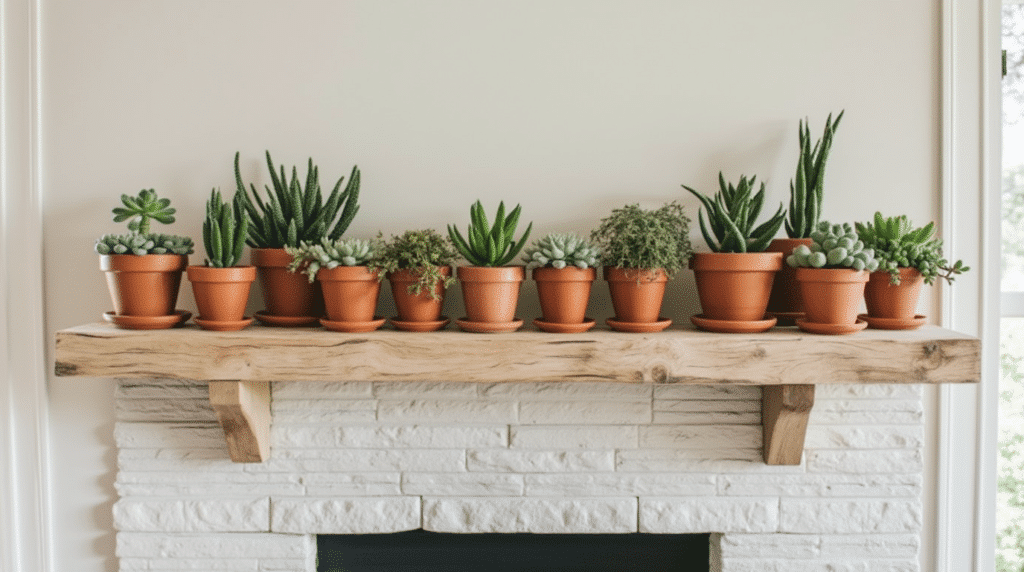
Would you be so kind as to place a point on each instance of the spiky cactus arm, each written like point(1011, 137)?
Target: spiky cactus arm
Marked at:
point(807, 189)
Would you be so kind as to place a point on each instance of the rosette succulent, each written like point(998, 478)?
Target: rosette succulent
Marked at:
point(560, 251)
point(138, 211)
point(834, 246)
point(898, 244)
point(311, 257)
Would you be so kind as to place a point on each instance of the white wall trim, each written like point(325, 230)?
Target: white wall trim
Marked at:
point(25, 544)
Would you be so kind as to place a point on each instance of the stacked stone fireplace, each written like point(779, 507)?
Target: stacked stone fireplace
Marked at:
point(574, 457)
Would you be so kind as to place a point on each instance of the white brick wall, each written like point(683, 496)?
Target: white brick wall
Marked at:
point(361, 457)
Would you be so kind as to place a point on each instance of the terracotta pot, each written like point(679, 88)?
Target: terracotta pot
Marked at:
point(350, 293)
point(491, 294)
point(735, 286)
point(285, 293)
point(564, 293)
point(832, 296)
point(636, 294)
point(786, 298)
point(417, 307)
point(145, 285)
point(221, 293)
point(893, 302)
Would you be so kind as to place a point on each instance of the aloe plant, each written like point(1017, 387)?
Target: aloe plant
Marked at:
point(898, 244)
point(806, 191)
point(224, 230)
point(490, 245)
point(731, 216)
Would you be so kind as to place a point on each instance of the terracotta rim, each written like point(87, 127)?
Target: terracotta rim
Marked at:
point(491, 274)
point(346, 274)
point(413, 274)
point(143, 263)
point(616, 274)
point(211, 274)
point(831, 275)
point(567, 274)
point(270, 257)
point(736, 261)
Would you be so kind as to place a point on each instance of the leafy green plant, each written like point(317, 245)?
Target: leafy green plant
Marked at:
point(731, 215)
point(224, 230)
point(490, 245)
point(898, 244)
point(807, 190)
point(560, 251)
point(834, 246)
point(646, 240)
point(309, 258)
point(423, 251)
point(295, 212)
point(138, 211)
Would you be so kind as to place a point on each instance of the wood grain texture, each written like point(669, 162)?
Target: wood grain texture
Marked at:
point(243, 410)
point(784, 413)
point(680, 355)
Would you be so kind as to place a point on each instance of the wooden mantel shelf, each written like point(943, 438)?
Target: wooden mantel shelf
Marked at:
point(787, 362)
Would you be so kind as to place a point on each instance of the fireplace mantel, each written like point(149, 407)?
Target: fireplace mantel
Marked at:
point(239, 366)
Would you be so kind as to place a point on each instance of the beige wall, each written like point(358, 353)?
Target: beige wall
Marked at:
point(569, 107)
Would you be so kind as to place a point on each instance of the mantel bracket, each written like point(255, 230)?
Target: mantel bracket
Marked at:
point(243, 410)
point(784, 413)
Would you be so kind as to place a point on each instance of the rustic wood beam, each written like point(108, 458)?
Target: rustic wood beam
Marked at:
point(243, 410)
point(784, 413)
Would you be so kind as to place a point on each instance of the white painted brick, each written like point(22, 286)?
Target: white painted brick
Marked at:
point(864, 461)
point(165, 410)
point(422, 436)
point(868, 391)
point(865, 437)
point(619, 484)
point(802, 546)
point(708, 405)
point(154, 484)
point(185, 460)
point(193, 515)
point(821, 485)
point(286, 565)
point(562, 391)
point(708, 514)
point(765, 565)
point(425, 390)
point(584, 412)
point(371, 515)
point(702, 392)
point(853, 516)
point(713, 461)
point(438, 411)
point(474, 515)
point(160, 389)
point(195, 564)
point(866, 411)
point(705, 418)
point(358, 460)
point(562, 437)
point(352, 484)
point(462, 484)
point(327, 412)
point(701, 437)
point(304, 436)
point(321, 390)
point(876, 545)
point(526, 461)
point(129, 435)
point(242, 545)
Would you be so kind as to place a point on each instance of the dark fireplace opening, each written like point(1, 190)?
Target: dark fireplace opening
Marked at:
point(422, 551)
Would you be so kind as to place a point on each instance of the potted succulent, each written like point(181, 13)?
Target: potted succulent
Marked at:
point(735, 279)
point(221, 287)
point(418, 265)
point(640, 250)
point(143, 269)
point(490, 288)
point(806, 192)
point(350, 287)
point(832, 273)
point(908, 257)
point(293, 213)
point(563, 267)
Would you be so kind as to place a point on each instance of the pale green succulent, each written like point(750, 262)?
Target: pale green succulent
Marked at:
point(140, 244)
point(834, 246)
point(561, 250)
point(311, 257)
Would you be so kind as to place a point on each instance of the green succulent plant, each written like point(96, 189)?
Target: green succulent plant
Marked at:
point(309, 258)
point(295, 212)
point(138, 211)
point(224, 230)
point(898, 244)
point(560, 251)
point(424, 251)
point(731, 216)
point(490, 245)
point(807, 190)
point(834, 246)
point(633, 238)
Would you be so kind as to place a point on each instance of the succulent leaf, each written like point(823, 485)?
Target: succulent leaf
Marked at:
point(732, 213)
point(560, 251)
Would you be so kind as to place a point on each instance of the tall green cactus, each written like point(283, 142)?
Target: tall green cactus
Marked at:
point(224, 230)
point(732, 214)
point(807, 190)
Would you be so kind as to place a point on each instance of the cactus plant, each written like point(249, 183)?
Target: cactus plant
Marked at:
point(487, 245)
point(834, 246)
point(560, 251)
point(224, 230)
point(311, 257)
point(294, 212)
point(139, 240)
point(807, 189)
point(731, 214)
point(898, 244)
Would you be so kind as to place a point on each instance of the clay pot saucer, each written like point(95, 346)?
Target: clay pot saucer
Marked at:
point(733, 326)
point(428, 326)
point(489, 327)
point(178, 318)
point(558, 328)
point(353, 327)
point(786, 318)
point(893, 323)
point(638, 327)
point(223, 325)
point(285, 321)
point(831, 329)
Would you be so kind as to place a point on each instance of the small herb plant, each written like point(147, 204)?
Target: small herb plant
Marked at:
point(423, 251)
point(295, 212)
point(138, 211)
point(646, 240)
point(834, 246)
point(490, 245)
point(224, 230)
point(898, 244)
point(731, 216)
point(309, 258)
point(807, 190)
point(560, 251)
